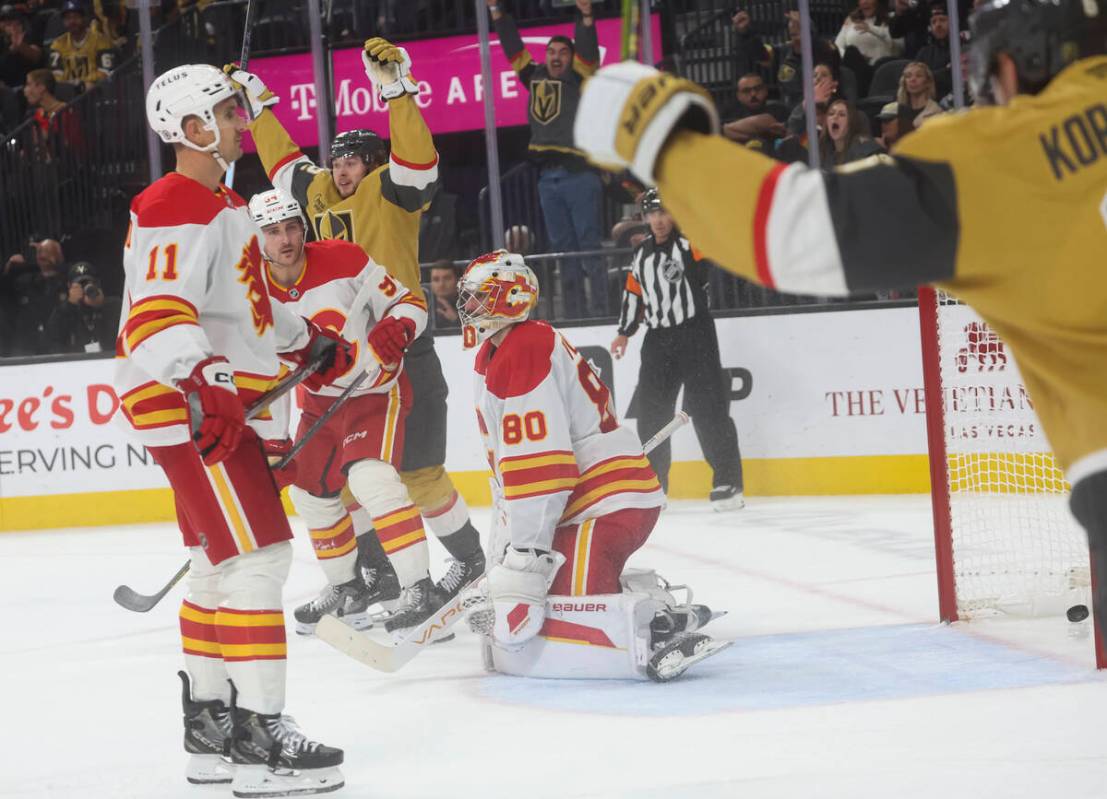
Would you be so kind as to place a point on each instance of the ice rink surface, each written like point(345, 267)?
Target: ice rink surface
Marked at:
point(840, 683)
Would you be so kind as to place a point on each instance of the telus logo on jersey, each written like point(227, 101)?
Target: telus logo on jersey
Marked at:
point(249, 269)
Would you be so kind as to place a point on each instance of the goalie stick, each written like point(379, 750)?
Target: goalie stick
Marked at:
point(127, 597)
point(392, 657)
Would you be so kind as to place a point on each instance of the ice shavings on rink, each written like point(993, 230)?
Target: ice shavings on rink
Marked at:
point(794, 670)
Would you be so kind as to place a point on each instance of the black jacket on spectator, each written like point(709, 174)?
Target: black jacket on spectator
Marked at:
point(788, 68)
point(750, 54)
point(913, 26)
point(736, 110)
point(82, 328)
point(31, 298)
point(936, 55)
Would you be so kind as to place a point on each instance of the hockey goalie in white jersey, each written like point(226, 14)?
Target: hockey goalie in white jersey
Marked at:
point(575, 497)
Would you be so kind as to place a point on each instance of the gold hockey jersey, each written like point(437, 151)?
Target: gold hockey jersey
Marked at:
point(382, 215)
point(89, 60)
point(1004, 207)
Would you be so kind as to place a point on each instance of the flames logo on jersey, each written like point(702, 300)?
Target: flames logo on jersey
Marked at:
point(249, 274)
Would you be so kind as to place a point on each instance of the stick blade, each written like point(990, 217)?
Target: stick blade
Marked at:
point(130, 599)
point(357, 645)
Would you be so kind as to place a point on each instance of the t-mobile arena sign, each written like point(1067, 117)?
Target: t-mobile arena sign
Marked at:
point(448, 72)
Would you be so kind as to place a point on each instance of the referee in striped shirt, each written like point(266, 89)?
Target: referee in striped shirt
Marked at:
point(667, 290)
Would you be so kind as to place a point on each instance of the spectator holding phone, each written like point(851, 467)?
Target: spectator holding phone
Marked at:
point(87, 320)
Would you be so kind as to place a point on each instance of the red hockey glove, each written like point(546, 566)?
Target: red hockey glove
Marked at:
point(335, 350)
point(275, 450)
point(215, 411)
point(390, 337)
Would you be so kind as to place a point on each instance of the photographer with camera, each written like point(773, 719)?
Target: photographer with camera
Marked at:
point(87, 320)
point(31, 284)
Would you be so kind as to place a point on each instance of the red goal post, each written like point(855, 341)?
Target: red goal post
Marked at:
point(1005, 541)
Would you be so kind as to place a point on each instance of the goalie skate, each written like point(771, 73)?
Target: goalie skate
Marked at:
point(679, 654)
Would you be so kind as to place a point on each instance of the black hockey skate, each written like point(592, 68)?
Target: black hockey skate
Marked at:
point(678, 619)
point(349, 601)
point(273, 757)
point(674, 657)
point(416, 606)
point(462, 572)
point(207, 738)
point(726, 497)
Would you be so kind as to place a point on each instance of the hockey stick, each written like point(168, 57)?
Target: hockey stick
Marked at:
point(392, 657)
point(130, 599)
point(317, 425)
point(244, 61)
point(678, 421)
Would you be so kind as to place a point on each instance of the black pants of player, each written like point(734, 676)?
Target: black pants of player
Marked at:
point(688, 356)
point(1089, 506)
point(425, 434)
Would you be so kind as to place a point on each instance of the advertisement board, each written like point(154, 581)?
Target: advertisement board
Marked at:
point(449, 76)
point(824, 402)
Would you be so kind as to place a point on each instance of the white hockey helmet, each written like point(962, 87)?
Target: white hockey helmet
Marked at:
point(269, 207)
point(189, 90)
point(496, 290)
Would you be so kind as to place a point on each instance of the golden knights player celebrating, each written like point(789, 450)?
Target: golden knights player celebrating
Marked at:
point(375, 199)
point(1003, 206)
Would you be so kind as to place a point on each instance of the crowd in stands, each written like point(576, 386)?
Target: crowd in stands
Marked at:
point(884, 73)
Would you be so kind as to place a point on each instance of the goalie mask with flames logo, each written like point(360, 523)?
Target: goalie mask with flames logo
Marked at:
point(496, 290)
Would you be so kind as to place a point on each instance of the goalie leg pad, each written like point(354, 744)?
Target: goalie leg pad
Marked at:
point(377, 486)
point(518, 587)
point(600, 637)
point(332, 533)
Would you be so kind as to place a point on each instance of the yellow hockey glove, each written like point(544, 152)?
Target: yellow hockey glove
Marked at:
point(628, 111)
point(253, 88)
point(388, 68)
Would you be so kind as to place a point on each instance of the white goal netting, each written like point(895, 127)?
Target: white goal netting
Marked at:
point(1016, 547)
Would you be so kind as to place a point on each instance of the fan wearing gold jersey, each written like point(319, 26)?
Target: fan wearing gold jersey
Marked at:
point(84, 54)
point(1003, 206)
point(375, 199)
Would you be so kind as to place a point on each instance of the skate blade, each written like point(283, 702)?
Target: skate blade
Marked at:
point(724, 505)
point(209, 770)
point(261, 781)
point(676, 663)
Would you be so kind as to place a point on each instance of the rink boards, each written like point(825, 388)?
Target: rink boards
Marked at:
point(825, 403)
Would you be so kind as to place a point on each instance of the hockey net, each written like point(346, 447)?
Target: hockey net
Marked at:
point(1005, 539)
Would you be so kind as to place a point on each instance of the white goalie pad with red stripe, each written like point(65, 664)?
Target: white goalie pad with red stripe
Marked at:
point(598, 637)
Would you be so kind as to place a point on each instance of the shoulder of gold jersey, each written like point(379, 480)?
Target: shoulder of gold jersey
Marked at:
point(175, 200)
point(330, 259)
point(522, 361)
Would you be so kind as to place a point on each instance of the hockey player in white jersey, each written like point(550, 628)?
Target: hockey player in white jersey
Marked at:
point(198, 341)
point(575, 498)
point(337, 286)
